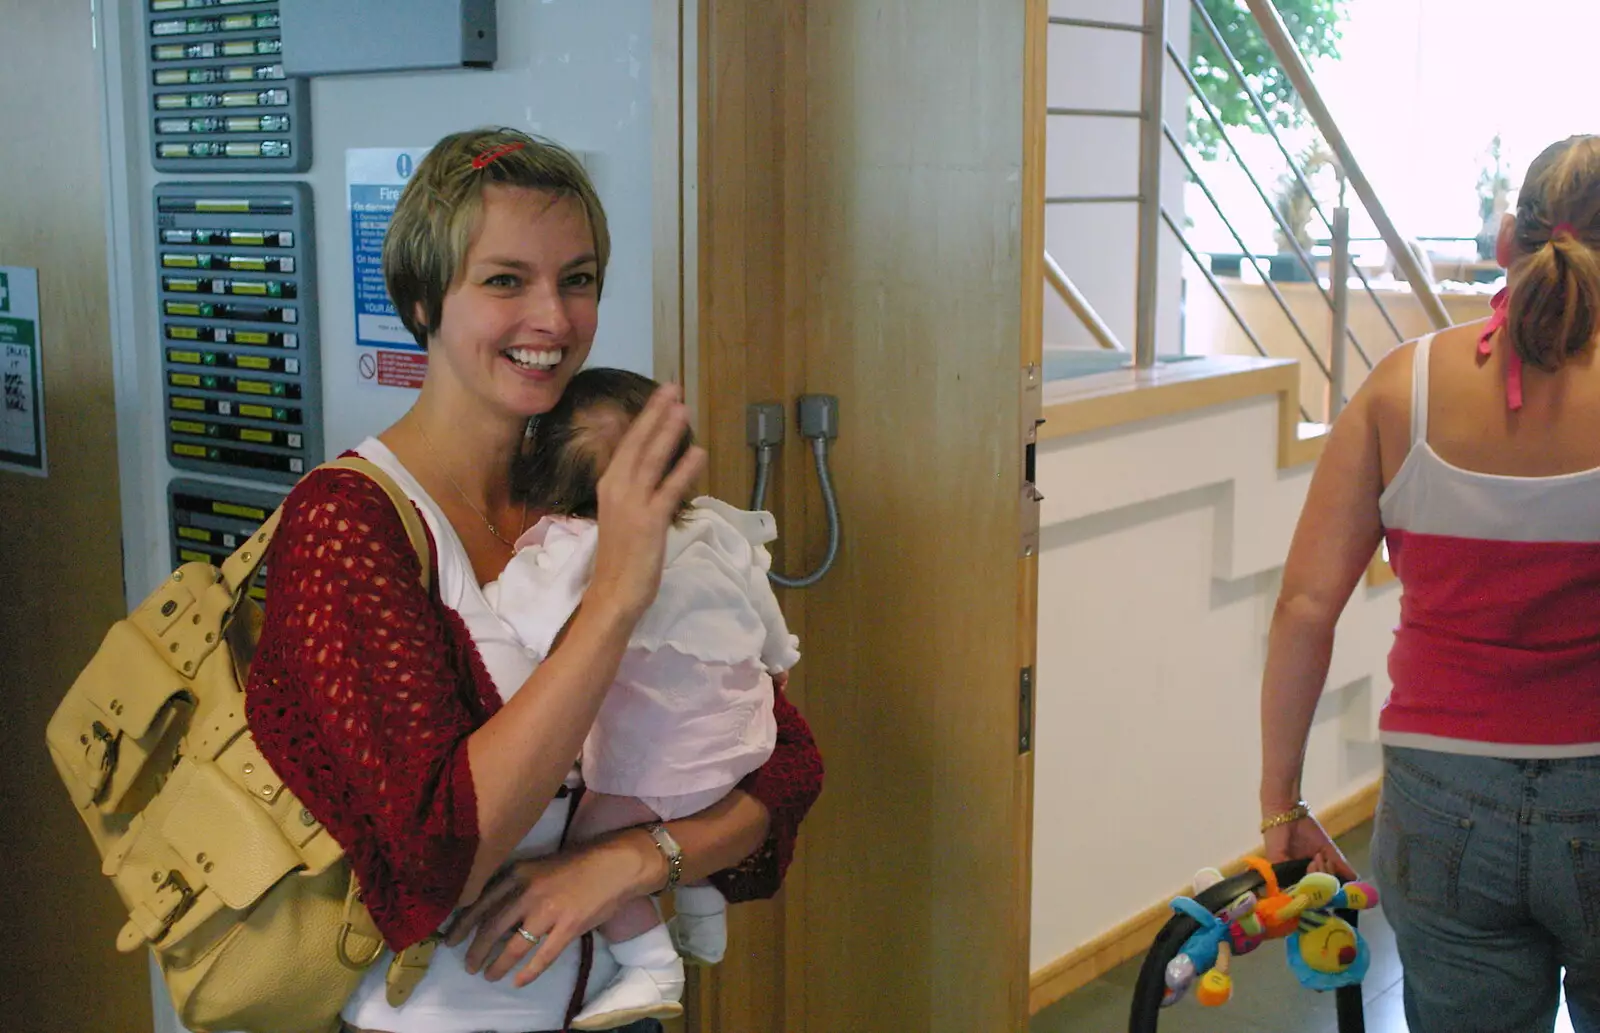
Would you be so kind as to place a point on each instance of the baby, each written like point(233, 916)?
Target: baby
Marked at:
point(690, 713)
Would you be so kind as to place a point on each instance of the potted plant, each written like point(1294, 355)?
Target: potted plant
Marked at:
point(1494, 197)
point(1295, 206)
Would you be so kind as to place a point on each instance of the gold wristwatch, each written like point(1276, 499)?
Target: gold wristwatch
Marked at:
point(670, 850)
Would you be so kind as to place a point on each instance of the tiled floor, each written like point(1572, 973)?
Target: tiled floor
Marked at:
point(1266, 998)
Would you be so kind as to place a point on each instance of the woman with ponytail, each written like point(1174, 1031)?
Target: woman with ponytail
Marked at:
point(1475, 454)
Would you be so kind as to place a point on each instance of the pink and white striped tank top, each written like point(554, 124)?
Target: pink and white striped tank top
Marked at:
point(1498, 648)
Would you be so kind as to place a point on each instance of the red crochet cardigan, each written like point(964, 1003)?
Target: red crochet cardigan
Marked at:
point(365, 687)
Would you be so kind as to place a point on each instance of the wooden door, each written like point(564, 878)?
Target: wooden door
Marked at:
point(60, 537)
point(862, 217)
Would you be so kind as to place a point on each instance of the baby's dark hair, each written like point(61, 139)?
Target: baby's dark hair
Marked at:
point(560, 472)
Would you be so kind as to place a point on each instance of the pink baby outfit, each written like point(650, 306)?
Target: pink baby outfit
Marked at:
point(690, 713)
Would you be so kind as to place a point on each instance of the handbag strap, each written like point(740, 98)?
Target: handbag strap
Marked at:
point(241, 567)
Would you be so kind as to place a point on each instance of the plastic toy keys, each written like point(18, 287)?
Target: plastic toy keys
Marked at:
point(1245, 932)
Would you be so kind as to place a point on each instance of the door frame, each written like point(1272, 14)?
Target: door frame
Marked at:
point(702, 83)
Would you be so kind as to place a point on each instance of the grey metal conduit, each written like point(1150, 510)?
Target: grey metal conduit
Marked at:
point(1152, 100)
point(819, 423)
point(1294, 165)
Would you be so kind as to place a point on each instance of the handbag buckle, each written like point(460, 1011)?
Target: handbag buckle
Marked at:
point(172, 898)
point(101, 752)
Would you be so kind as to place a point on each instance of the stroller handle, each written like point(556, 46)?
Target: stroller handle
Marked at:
point(1151, 985)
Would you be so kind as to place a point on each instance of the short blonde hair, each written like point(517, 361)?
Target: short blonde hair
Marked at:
point(438, 213)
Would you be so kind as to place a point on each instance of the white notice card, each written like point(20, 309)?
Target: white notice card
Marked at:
point(21, 373)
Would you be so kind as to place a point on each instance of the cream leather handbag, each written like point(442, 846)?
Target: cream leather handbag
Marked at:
point(244, 897)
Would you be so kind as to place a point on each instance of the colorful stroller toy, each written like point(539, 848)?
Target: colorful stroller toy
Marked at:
point(1315, 916)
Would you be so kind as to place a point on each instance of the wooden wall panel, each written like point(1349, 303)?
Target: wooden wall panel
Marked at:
point(741, 346)
point(60, 538)
point(860, 220)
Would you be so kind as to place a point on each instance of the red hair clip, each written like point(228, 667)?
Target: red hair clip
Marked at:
point(483, 160)
point(1563, 228)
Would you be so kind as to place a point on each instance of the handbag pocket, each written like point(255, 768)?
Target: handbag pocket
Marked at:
point(201, 847)
point(115, 733)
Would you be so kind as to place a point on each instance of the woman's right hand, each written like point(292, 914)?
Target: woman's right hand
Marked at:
point(1307, 838)
point(638, 499)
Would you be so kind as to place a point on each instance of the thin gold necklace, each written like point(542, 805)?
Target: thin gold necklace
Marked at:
point(439, 465)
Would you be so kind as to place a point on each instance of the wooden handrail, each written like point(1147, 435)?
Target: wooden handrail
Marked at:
point(1080, 306)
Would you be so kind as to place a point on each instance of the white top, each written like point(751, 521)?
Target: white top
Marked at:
point(1485, 659)
point(449, 1000)
point(1431, 496)
point(690, 711)
point(714, 604)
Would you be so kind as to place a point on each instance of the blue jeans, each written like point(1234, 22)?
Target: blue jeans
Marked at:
point(1489, 872)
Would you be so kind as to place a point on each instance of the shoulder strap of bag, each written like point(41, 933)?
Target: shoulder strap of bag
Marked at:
point(241, 567)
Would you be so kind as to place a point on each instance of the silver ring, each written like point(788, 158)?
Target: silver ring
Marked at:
point(532, 938)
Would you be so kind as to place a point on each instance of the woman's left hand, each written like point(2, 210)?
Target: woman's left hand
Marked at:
point(556, 898)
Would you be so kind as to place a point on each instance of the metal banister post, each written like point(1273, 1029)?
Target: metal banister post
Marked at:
point(1277, 37)
point(1152, 102)
point(1339, 280)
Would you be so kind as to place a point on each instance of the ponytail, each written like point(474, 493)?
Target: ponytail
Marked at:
point(1554, 309)
point(1553, 312)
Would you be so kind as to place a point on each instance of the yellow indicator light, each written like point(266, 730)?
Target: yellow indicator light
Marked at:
point(221, 204)
point(231, 509)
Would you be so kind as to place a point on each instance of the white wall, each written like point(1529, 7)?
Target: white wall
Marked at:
point(1097, 245)
point(574, 70)
point(1161, 554)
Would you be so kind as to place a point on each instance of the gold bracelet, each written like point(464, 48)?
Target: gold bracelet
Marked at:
point(1296, 813)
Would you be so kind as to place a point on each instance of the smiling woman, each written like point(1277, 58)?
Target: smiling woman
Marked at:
point(437, 748)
